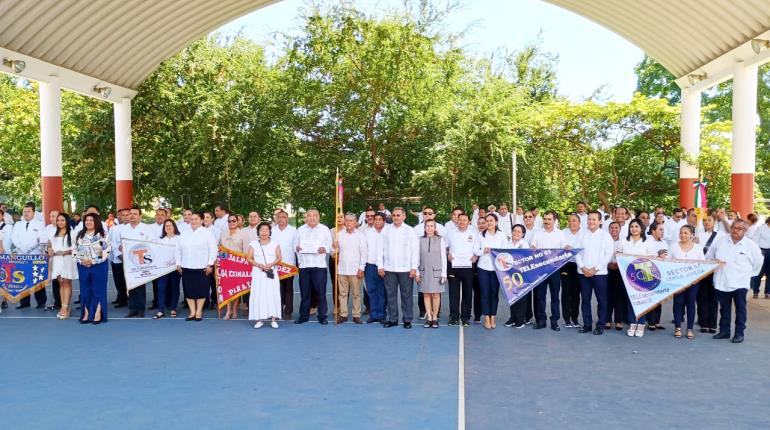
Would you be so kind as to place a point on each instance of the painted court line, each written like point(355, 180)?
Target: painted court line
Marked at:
point(461, 383)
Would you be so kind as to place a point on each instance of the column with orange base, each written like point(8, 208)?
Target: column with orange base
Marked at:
point(690, 140)
point(744, 138)
point(124, 184)
point(50, 146)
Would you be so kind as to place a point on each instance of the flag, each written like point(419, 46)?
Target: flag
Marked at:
point(340, 193)
point(701, 188)
point(144, 261)
point(521, 270)
point(22, 275)
point(233, 275)
point(650, 281)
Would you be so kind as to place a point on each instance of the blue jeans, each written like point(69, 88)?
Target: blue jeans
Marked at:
point(597, 285)
point(312, 279)
point(685, 299)
point(375, 286)
point(552, 283)
point(489, 286)
point(726, 300)
point(93, 289)
point(169, 283)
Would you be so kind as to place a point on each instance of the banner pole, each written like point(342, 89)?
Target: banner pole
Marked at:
point(337, 208)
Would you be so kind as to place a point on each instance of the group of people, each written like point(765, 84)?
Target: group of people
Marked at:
point(375, 260)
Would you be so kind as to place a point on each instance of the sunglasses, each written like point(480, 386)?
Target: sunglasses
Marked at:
point(427, 213)
point(528, 216)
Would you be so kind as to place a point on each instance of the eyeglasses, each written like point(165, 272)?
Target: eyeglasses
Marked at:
point(232, 220)
point(427, 213)
point(528, 216)
point(369, 216)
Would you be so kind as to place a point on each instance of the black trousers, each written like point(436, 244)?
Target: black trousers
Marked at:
point(476, 294)
point(460, 293)
point(120, 283)
point(552, 284)
point(155, 294)
point(287, 297)
point(528, 312)
point(617, 298)
point(726, 300)
point(570, 293)
point(40, 298)
point(519, 310)
point(56, 289)
point(707, 303)
point(653, 317)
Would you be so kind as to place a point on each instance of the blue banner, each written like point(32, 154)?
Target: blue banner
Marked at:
point(521, 270)
point(22, 275)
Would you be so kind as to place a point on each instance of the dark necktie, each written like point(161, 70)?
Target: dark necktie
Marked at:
point(26, 227)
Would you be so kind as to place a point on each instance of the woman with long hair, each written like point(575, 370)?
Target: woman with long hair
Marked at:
point(485, 241)
point(686, 249)
point(168, 284)
point(61, 249)
point(93, 249)
point(635, 243)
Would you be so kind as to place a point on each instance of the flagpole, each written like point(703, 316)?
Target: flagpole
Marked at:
point(337, 209)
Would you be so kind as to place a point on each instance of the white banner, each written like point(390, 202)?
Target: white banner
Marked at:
point(650, 281)
point(145, 261)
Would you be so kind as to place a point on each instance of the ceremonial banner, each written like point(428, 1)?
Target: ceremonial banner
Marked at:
point(144, 261)
point(521, 270)
point(22, 275)
point(650, 281)
point(233, 274)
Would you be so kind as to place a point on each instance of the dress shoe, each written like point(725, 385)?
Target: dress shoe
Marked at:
point(584, 329)
point(555, 326)
point(722, 335)
point(115, 302)
point(366, 311)
point(323, 322)
point(452, 321)
point(509, 323)
point(407, 324)
point(120, 305)
point(77, 302)
point(389, 324)
point(372, 321)
point(737, 339)
point(356, 320)
point(599, 331)
point(539, 326)
point(4, 305)
point(341, 320)
point(40, 306)
point(22, 306)
point(132, 314)
point(300, 321)
point(466, 323)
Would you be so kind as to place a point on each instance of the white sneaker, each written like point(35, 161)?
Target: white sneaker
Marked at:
point(632, 329)
point(640, 330)
point(259, 324)
point(274, 324)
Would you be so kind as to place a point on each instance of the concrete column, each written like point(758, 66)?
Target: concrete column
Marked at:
point(50, 146)
point(124, 184)
point(690, 140)
point(744, 138)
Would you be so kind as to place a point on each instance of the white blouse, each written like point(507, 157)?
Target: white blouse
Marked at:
point(497, 240)
point(196, 249)
point(677, 253)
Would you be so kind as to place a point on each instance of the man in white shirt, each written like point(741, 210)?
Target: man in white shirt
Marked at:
point(221, 214)
point(397, 262)
point(672, 226)
point(313, 243)
point(50, 232)
point(381, 208)
point(570, 281)
point(116, 259)
point(428, 213)
point(28, 237)
point(452, 223)
point(285, 235)
point(135, 229)
point(350, 273)
point(762, 239)
point(548, 237)
point(582, 213)
point(362, 217)
point(598, 249)
point(7, 217)
point(184, 224)
point(461, 258)
point(538, 219)
point(156, 230)
point(505, 220)
point(742, 258)
point(374, 282)
point(5, 233)
point(368, 223)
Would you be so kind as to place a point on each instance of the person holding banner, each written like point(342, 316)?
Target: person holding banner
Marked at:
point(518, 310)
point(61, 248)
point(235, 239)
point(742, 258)
point(548, 237)
point(485, 241)
point(635, 243)
point(658, 246)
point(28, 237)
point(686, 249)
point(195, 257)
point(592, 267)
point(92, 253)
point(570, 282)
point(706, 302)
point(168, 284)
point(135, 229)
point(265, 297)
point(432, 271)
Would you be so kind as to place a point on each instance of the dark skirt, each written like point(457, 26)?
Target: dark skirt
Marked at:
point(195, 283)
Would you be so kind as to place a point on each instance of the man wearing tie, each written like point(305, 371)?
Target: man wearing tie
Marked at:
point(29, 237)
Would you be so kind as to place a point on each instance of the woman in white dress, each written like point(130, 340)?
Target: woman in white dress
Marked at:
point(265, 297)
point(60, 249)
